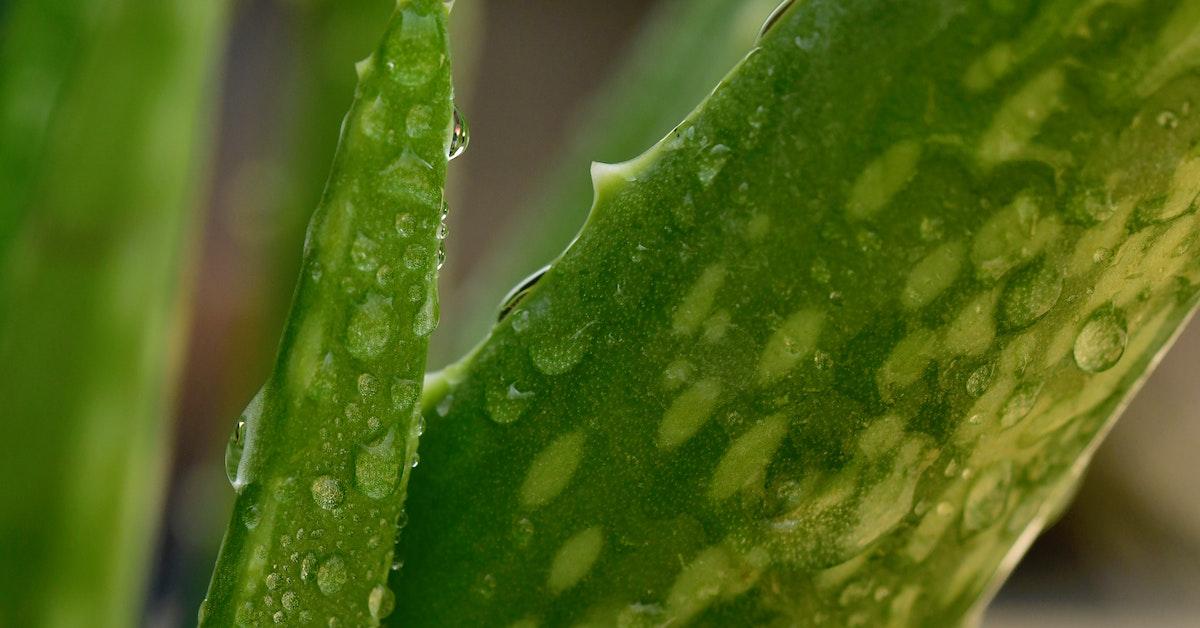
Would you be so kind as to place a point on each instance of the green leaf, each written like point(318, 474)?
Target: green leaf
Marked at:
point(100, 169)
point(675, 60)
point(321, 456)
point(840, 345)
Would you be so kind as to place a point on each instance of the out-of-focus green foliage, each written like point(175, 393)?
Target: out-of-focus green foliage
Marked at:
point(838, 347)
point(104, 114)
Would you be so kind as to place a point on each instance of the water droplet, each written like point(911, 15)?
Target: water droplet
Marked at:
point(327, 492)
point(1030, 294)
point(278, 617)
point(776, 13)
point(414, 257)
point(290, 601)
point(404, 393)
point(331, 576)
point(364, 253)
point(1102, 255)
point(308, 566)
point(1167, 119)
point(506, 403)
point(233, 451)
point(251, 517)
point(712, 161)
point(440, 259)
point(460, 134)
point(405, 225)
point(1101, 341)
point(380, 602)
point(367, 386)
point(237, 440)
point(980, 379)
point(1020, 402)
point(377, 467)
point(986, 498)
point(556, 354)
point(272, 581)
point(370, 327)
point(419, 121)
point(427, 317)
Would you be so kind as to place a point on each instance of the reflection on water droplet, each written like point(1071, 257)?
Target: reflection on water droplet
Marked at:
point(237, 440)
point(460, 134)
point(518, 292)
point(377, 466)
point(327, 492)
point(1101, 341)
point(380, 601)
point(331, 576)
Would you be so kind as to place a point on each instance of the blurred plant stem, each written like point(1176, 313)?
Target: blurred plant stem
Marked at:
point(107, 107)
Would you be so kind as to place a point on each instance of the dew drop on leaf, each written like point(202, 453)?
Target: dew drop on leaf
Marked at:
point(237, 440)
point(1101, 341)
point(380, 601)
point(377, 467)
point(986, 498)
point(460, 134)
point(331, 576)
point(370, 327)
point(1019, 403)
point(327, 492)
point(1029, 295)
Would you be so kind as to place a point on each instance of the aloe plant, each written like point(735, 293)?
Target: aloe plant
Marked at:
point(100, 168)
point(321, 456)
point(833, 351)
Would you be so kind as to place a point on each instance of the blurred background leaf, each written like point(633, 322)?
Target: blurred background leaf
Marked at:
point(105, 165)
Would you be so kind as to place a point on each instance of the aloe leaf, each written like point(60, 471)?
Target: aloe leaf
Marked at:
point(837, 348)
point(104, 110)
point(321, 456)
point(673, 63)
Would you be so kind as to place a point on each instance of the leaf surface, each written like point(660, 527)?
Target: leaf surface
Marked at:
point(841, 344)
point(321, 456)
